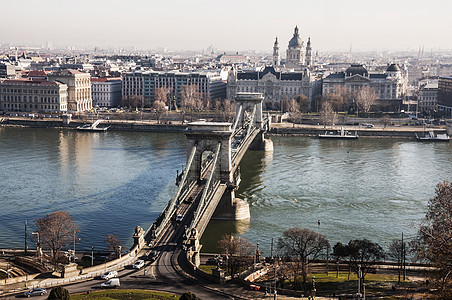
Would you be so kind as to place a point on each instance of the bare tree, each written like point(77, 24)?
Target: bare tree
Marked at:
point(302, 243)
point(303, 103)
point(327, 114)
point(366, 98)
point(160, 94)
point(385, 120)
point(434, 239)
point(335, 100)
point(238, 251)
point(397, 252)
point(160, 109)
point(364, 254)
point(56, 231)
point(114, 245)
point(190, 96)
point(133, 101)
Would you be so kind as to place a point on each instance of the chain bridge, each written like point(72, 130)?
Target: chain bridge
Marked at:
point(207, 184)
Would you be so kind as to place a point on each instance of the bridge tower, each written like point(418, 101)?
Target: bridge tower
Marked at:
point(206, 136)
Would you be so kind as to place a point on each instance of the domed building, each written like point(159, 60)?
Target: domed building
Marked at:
point(390, 86)
point(297, 56)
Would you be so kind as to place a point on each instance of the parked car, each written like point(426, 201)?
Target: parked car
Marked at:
point(35, 292)
point(109, 275)
point(112, 283)
point(138, 264)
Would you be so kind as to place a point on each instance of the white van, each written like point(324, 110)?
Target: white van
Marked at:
point(112, 283)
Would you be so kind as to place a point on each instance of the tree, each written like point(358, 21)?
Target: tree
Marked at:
point(363, 255)
point(366, 98)
point(160, 109)
point(303, 102)
point(327, 115)
point(237, 249)
point(188, 296)
point(434, 238)
point(397, 252)
point(385, 120)
point(190, 96)
point(56, 230)
point(59, 293)
point(335, 100)
point(133, 101)
point(113, 244)
point(340, 251)
point(300, 244)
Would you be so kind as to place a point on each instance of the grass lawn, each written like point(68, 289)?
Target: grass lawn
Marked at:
point(375, 284)
point(126, 295)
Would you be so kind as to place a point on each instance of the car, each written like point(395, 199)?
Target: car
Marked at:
point(138, 264)
point(369, 125)
point(179, 218)
point(112, 283)
point(35, 292)
point(110, 275)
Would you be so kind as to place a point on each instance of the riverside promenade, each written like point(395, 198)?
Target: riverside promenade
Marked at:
point(403, 129)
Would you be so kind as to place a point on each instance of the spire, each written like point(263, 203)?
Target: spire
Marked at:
point(309, 42)
point(296, 30)
point(276, 42)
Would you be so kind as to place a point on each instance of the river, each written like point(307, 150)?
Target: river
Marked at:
point(114, 181)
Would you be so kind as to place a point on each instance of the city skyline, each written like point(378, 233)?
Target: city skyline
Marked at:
point(238, 26)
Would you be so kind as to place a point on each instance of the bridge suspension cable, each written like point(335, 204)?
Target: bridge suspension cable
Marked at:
point(170, 207)
point(237, 118)
point(209, 187)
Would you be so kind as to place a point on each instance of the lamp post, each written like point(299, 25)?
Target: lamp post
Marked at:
point(92, 256)
point(74, 246)
point(38, 245)
point(119, 247)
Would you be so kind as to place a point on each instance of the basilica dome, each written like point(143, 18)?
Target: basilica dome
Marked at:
point(296, 40)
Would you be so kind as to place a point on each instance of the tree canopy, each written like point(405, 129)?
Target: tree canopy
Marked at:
point(56, 231)
point(434, 238)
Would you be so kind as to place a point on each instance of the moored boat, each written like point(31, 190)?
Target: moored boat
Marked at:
point(432, 137)
point(338, 134)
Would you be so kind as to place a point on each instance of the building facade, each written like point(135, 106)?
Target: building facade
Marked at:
point(79, 88)
point(445, 96)
point(144, 83)
point(274, 85)
point(390, 86)
point(106, 92)
point(27, 95)
point(428, 97)
point(297, 56)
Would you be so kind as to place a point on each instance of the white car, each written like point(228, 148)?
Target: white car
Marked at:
point(110, 275)
point(179, 218)
point(138, 264)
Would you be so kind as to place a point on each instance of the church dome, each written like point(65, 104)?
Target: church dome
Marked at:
point(393, 68)
point(296, 40)
point(356, 69)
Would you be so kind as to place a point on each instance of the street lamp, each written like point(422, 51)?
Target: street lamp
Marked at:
point(38, 245)
point(119, 247)
point(92, 256)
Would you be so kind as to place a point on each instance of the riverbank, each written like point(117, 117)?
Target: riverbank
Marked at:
point(284, 128)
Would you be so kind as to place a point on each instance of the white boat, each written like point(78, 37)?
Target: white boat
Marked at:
point(338, 134)
point(92, 127)
point(432, 137)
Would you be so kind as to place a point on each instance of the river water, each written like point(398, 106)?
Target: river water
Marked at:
point(114, 181)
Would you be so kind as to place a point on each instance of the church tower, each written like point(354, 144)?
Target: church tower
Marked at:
point(295, 53)
point(308, 53)
point(276, 56)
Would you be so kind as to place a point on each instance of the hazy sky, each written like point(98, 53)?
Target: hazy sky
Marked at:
point(231, 25)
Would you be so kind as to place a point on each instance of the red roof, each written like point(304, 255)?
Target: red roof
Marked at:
point(104, 79)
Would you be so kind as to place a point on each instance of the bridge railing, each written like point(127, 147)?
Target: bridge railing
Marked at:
point(184, 188)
